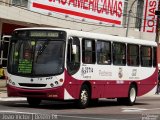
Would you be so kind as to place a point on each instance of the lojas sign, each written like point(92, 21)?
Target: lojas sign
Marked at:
point(149, 22)
point(106, 11)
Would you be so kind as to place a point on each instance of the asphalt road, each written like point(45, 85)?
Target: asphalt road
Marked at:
point(146, 108)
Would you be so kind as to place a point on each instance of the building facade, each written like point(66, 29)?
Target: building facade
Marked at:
point(19, 13)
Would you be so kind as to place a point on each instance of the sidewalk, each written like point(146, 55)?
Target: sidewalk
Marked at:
point(3, 89)
point(3, 94)
point(2, 83)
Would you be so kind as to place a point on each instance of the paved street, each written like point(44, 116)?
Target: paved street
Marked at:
point(146, 108)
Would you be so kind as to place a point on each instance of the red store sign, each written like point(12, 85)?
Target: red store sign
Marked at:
point(150, 19)
point(107, 11)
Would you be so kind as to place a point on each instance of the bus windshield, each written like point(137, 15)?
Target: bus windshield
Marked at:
point(36, 56)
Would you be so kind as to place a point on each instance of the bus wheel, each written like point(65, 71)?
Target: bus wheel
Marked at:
point(131, 95)
point(84, 97)
point(33, 102)
point(130, 100)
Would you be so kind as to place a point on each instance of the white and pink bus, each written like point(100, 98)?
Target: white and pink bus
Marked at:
point(63, 64)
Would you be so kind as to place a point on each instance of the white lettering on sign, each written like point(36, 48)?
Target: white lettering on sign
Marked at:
point(149, 22)
point(108, 11)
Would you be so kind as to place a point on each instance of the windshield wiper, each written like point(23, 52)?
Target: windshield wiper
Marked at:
point(41, 49)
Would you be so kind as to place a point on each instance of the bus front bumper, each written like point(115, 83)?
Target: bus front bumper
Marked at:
point(52, 93)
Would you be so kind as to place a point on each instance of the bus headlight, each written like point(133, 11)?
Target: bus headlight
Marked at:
point(13, 83)
point(60, 80)
point(9, 81)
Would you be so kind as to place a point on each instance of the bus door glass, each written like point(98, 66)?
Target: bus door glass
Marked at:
point(73, 55)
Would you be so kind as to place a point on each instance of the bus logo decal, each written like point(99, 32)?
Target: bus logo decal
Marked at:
point(134, 72)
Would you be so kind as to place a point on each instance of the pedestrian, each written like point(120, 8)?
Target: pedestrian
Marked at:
point(2, 75)
point(158, 85)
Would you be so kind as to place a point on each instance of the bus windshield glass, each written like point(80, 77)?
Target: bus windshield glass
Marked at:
point(38, 54)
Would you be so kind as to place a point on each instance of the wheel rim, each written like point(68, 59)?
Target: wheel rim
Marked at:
point(132, 94)
point(84, 97)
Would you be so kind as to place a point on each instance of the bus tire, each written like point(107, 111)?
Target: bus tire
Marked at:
point(83, 97)
point(132, 93)
point(33, 102)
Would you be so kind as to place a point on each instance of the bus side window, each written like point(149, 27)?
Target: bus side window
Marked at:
point(119, 53)
point(88, 51)
point(132, 55)
point(103, 52)
point(73, 55)
point(146, 56)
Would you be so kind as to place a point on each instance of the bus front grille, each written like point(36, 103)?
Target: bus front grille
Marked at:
point(32, 85)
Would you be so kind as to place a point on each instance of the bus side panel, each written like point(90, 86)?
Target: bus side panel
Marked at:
point(72, 85)
point(142, 89)
point(110, 88)
point(97, 90)
point(146, 85)
point(116, 90)
point(73, 90)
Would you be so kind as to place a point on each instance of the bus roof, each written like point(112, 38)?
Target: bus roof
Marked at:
point(97, 36)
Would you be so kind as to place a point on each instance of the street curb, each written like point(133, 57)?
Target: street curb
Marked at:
point(12, 99)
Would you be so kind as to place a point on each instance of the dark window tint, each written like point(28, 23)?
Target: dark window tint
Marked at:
point(119, 53)
point(146, 56)
point(73, 55)
point(88, 51)
point(133, 55)
point(103, 52)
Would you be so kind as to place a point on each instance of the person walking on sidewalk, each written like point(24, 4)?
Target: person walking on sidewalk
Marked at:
point(2, 75)
point(158, 85)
